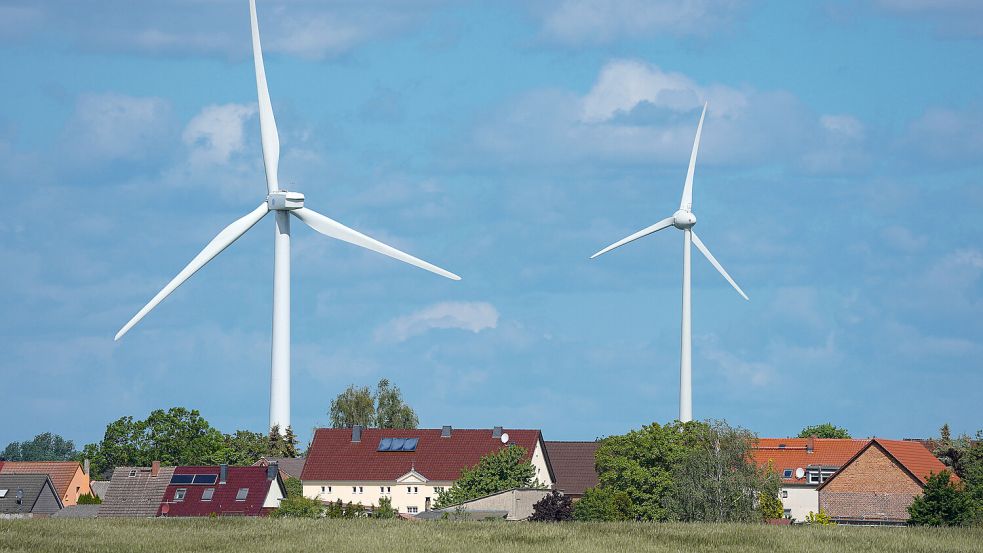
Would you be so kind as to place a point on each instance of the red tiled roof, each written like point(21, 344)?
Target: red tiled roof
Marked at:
point(333, 456)
point(914, 456)
point(61, 472)
point(574, 465)
point(223, 501)
point(827, 452)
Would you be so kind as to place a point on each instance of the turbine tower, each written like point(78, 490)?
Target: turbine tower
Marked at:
point(684, 220)
point(284, 204)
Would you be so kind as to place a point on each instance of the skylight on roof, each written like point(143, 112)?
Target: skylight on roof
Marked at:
point(3, 493)
point(241, 494)
point(787, 473)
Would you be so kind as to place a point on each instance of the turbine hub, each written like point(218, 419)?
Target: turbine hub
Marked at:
point(683, 219)
point(281, 200)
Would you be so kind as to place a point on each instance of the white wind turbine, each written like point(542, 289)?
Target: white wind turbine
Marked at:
point(683, 219)
point(283, 203)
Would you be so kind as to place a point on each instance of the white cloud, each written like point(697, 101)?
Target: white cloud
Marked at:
point(599, 21)
point(946, 135)
point(636, 112)
point(217, 132)
point(117, 127)
point(473, 316)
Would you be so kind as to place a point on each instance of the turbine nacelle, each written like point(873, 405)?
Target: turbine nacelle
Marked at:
point(281, 200)
point(683, 219)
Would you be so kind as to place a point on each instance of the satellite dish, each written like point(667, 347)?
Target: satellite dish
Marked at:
point(505, 438)
point(800, 472)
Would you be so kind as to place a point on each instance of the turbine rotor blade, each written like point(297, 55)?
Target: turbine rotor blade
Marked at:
point(665, 223)
point(713, 261)
point(267, 124)
point(687, 202)
point(334, 229)
point(223, 240)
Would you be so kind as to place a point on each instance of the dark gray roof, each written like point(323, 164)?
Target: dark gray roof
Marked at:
point(78, 511)
point(38, 494)
point(289, 466)
point(135, 496)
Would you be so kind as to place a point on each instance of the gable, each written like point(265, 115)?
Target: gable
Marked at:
point(873, 470)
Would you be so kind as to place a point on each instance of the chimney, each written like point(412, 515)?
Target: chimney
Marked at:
point(497, 432)
point(357, 433)
point(445, 432)
point(811, 444)
point(155, 468)
point(85, 467)
point(223, 473)
point(271, 471)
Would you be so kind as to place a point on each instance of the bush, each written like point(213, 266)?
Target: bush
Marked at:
point(603, 504)
point(770, 506)
point(821, 518)
point(294, 487)
point(298, 507)
point(385, 509)
point(552, 508)
point(89, 499)
point(941, 504)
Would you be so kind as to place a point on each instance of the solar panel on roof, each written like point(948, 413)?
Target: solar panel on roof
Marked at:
point(182, 478)
point(397, 444)
point(385, 444)
point(205, 478)
point(410, 444)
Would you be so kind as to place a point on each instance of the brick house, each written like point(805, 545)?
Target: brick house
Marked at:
point(803, 464)
point(408, 466)
point(876, 486)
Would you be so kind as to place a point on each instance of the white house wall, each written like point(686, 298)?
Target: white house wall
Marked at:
point(800, 501)
point(401, 498)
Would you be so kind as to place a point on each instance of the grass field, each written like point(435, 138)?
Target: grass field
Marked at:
point(248, 535)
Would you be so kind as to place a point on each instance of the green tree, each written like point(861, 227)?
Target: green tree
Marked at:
point(825, 430)
point(942, 503)
point(390, 409)
point(242, 448)
point(502, 470)
point(43, 447)
point(89, 499)
point(282, 444)
point(821, 518)
point(952, 451)
point(603, 505)
point(717, 480)
point(640, 463)
point(354, 406)
point(770, 506)
point(385, 509)
point(384, 408)
point(295, 487)
point(298, 507)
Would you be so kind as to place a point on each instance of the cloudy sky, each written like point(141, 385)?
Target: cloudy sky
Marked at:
point(840, 182)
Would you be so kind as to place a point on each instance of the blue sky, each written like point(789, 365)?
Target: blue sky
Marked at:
point(839, 183)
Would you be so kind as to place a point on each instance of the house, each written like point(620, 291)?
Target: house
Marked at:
point(877, 484)
point(803, 464)
point(408, 466)
point(223, 491)
point(136, 491)
point(68, 477)
point(514, 504)
point(24, 495)
point(99, 487)
point(574, 466)
point(290, 467)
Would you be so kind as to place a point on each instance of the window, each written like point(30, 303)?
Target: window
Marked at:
point(412, 510)
point(787, 473)
point(207, 494)
point(325, 489)
point(3, 493)
point(132, 474)
point(784, 494)
point(358, 489)
point(385, 489)
point(438, 489)
point(412, 489)
point(354, 489)
point(180, 493)
point(241, 494)
point(361, 489)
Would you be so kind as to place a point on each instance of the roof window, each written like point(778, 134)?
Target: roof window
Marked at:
point(180, 493)
point(241, 494)
point(787, 473)
point(3, 493)
point(207, 494)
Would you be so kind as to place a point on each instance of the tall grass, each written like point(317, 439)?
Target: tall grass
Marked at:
point(246, 535)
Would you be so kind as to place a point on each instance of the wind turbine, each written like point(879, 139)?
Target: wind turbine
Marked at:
point(284, 204)
point(684, 220)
